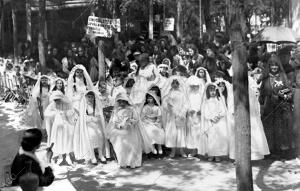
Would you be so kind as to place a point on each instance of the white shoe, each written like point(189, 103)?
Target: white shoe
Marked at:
point(154, 151)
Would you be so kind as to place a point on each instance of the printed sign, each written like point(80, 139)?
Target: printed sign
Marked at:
point(169, 24)
point(102, 27)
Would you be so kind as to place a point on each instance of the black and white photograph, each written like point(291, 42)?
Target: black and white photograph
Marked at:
point(149, 95)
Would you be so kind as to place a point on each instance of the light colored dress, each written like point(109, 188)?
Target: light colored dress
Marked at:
point(96, 134)
point(32, 116)
point(62, 128)
point(175, 119)
point(146, 78)
point(89, 129)
point(217, 134)
point(194, 112)
point(151, 121)
point(77, 95)
point(125, 137)
point(259, 144)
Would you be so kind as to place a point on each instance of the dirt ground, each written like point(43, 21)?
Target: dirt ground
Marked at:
point(156, 174)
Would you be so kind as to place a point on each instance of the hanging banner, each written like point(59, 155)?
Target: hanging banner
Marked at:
point(102, 27)
point(169, 24)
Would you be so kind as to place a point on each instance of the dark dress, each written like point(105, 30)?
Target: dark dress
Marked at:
point(23, 164)
point(277, 113)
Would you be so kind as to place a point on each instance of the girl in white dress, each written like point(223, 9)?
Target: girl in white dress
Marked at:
point(195, 93)
point(146, 76)
point(151, 117)
point(63, 119)
point(89, 130)
point(125, 133)
point(259, 144)
point(214, 123)
point(58, 85)
point(79, 82)
point(34, 115)
point(175, 107)
point(203, 75)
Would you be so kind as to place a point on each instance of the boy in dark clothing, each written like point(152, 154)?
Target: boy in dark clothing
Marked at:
point(26, 160)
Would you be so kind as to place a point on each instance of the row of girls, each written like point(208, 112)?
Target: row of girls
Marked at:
point(152, 107)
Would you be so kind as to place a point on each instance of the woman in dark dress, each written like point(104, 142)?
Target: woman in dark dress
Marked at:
point(276, 98)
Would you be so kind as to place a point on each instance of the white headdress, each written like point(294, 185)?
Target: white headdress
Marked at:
point(71, 83)
point(82, 146)
point(178, 99)
point(54, 83)
point(36, 89)
point(208, 79)
point(195, 98)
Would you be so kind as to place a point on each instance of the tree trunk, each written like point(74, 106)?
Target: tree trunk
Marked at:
point(200, 20)
point(2, 27)
point(41, 37)
point(178, 19)
point(241, 99)
point(15, 32)
point(150, 19)
point(28, 20)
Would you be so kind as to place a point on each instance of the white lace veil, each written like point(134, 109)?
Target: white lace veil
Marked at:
point(208, 79)
point(195, 98)
point(36, 89)
point(82, 145)
point(146, 141)
point(89, 83)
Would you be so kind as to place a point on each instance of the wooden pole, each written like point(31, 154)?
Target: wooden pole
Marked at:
point(242, 126)
point(28, 20)
point(15, 32)
point(41, 37)
point(101, 57)
point(150, 19)
point(101, 61)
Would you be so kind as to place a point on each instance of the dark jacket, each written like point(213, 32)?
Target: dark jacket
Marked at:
point(23, 164)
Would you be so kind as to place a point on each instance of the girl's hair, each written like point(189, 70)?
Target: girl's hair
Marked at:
point(207, 92)
point(41, 89)
point(74, 86)
point(63, 87)
point(205, 77)
point(129, 83)
point(94, 102)
point(147, 96)
point(225, 92)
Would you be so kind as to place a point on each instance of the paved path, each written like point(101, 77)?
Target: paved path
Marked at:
point(155, 174)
